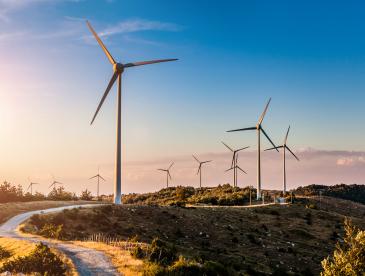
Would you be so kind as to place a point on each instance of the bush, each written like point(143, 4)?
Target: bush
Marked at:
point(161, 253)
point(42, 260)
point(86, 195)
point(348, 259)
point(51, 231)
point(4, 253)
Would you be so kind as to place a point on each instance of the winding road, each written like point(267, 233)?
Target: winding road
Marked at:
point(87, 261)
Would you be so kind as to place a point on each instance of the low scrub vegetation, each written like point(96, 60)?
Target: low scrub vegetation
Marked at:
point(352, 192)
point(11, 193)
point(41, 260)
point(162, 259)
point(348, 257)
point(225, 195)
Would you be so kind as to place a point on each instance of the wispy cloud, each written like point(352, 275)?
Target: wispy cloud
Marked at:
point(9, 6)
point(138, 25)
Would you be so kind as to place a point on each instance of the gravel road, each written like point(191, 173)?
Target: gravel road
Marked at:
point(87, 261)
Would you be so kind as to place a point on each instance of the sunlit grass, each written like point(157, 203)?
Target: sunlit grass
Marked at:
point(121, 259)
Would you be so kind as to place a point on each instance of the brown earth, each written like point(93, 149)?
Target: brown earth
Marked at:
point(251, 240)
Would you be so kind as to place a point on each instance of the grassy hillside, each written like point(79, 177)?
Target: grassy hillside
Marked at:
point(352, 192)
point(8, 210)
point(249, 241)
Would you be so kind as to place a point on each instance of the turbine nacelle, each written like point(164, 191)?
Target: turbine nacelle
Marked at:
point(118, 68)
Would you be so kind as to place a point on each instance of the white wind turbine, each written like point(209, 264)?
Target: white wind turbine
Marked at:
point(31, 186)
point(200, 169)
point(284, 147)
point(259, 129)
point(168, 175)
point(98, 176)
point(118, 69)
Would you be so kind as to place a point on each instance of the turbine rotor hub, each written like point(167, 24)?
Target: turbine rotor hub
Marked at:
point(118, 67)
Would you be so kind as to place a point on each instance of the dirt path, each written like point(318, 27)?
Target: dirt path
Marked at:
point(87, 261)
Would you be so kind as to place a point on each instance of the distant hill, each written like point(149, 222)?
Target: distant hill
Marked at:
point(221, 195)
point(352, 192)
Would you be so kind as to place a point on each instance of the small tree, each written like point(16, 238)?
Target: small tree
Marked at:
point(86, 195)
point(348, 259)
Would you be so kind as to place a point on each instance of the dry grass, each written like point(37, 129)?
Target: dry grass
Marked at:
point(121, 259)
point(8, 210)
point(21, 248)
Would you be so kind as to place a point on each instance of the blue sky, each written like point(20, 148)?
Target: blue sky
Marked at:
point(233, 55)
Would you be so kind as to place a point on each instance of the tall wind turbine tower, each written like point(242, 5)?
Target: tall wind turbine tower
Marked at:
point(234, 159)
point(258, 129)
point(98, 176)
point(285, 147)
point(118, 69)
point(200, 169)
point(168, 175)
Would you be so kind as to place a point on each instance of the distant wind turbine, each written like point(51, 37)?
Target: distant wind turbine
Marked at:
point(31, 186)
point(259, 129)
point(55, 183)
point(233, 165)
point(200, 169)
point(118, 69)
point(235, 168)
point(98, 176)
point(284, 147)
point(168, 175)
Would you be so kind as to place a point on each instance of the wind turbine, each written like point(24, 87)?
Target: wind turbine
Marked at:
point(31, 186)
point(234, 168)
point(233, 165)
point(118, 69)
point(54, 183)
point(168, 175)
point(98, 176)
point(200, 169)
point(284, 147)
point(258, 129)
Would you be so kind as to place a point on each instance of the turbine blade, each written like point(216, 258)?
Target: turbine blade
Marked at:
point(268, 138)
point(242, 129)
point(29, 187)
point(206, 161)
point(242, 149)
point(161, 170)
point(238, 167)
point(286, 137)
point(133, 64)
point(111, 82)
point(292, 153)
point(233, 159)
point(109, 56)
point(228, 147)
point(199, 169)
point(274, 148)
point(229, 169)
point(264, 113)
point(93, 177)
point(102, 177)
point(171, 165)
point(169, 174)
point(196, 159)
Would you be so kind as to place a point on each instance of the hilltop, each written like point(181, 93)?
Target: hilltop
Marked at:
point(279, 239)
point(354, 192)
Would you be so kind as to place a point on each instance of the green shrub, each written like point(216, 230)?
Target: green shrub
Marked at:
point(51, 231)
point(348, 259)
point(162, 253)
point(4, 253)
point(41, 260)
